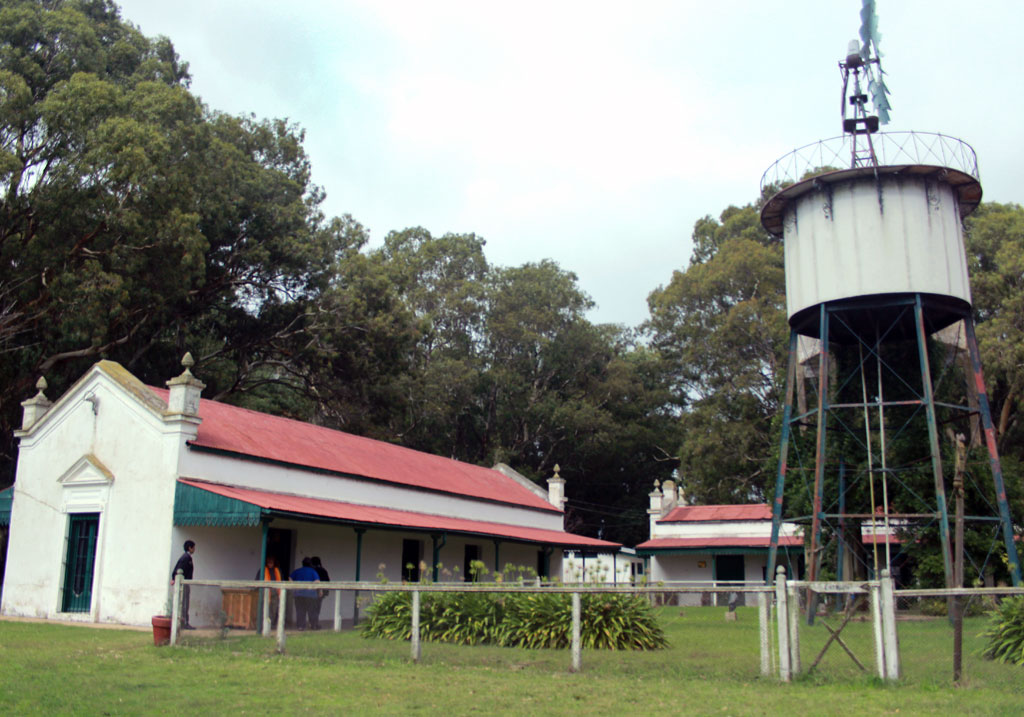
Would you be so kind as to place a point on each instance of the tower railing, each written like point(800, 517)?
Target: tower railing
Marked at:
point(891, 149)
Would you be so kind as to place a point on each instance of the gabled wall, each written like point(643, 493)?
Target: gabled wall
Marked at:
point(97, 450)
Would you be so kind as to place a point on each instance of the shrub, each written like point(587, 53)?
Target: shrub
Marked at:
point(1005, 632)
point(532, 620)
point(973, 607)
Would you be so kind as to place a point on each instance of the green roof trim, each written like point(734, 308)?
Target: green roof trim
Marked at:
point(195, 506)
point(6, 498)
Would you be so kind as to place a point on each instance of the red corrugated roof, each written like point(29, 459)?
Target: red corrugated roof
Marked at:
point(708, 513)
point(784, 541)
point(366, 514)
point(260, 435)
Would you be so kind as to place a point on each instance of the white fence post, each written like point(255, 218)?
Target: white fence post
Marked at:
point(782, 618)
point(265, 612)
point(763, 623)
point(176, 606)
point(891, 641)
point(282, 612)
point(337, 610)
point(793, 601)
point(416, 626)
point(576, 656)
point(876, 626)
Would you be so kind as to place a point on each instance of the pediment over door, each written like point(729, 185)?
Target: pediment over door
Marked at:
point(86, 485)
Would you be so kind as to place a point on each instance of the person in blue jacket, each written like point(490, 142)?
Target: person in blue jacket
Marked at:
point(321, 571)
point(305, 600)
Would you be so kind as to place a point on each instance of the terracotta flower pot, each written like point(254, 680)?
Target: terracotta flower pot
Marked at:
point(161, 630)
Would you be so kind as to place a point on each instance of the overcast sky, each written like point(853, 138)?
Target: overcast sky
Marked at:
point(592, 133)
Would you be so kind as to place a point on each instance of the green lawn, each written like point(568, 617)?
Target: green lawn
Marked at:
point(712, 666)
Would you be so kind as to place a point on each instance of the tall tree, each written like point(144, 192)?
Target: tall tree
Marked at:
point(442, 282)
point(995, 255)
point(720, 326)
point(135, 223)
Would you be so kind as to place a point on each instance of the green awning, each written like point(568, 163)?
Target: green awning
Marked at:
point(6, 498)
point(195, 506)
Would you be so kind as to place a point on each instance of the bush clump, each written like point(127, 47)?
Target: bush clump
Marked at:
point(1005, 633)
point(939, 607)
point(532, 620)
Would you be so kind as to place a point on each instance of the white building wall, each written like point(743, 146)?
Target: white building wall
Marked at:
point(603, 568)
point(681, 568)
point(265, 476)
point(133, 543)
point(686, 567)
point(234, 554)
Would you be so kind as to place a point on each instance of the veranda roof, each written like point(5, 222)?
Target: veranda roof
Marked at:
point(201, 503)
point(713, 544)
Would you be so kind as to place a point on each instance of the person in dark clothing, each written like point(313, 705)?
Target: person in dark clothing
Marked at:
point(321, 594)
point(305, 600)
point(186, 567)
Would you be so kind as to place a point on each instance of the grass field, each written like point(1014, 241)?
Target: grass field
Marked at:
point(712, 667)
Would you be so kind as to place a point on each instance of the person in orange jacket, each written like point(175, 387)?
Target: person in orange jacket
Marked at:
point(272, 572)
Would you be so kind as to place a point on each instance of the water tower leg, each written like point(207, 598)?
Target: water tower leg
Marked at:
point(841, 544)
point(814, 561)
point(780, 478)
point(993, 453)
point(933, 439)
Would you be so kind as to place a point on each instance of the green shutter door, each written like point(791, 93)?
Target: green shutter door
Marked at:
point(81, 554)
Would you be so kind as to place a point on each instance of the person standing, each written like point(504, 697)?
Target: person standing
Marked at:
point(321, 594)
point(305, 600)
point(272, 572)
point(186, 566)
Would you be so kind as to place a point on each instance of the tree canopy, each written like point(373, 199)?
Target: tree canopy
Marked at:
point(135, 221)
point(720, 327)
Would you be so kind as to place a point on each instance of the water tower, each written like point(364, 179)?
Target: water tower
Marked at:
point(884, 377)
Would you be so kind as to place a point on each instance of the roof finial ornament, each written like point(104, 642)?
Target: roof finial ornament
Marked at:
point(556, 489)
point(185, 390)
point(657, 484)
point(35, 407)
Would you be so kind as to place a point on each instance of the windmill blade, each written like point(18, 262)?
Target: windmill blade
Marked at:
point(869, 35)
point(842, 97)
point(879, 98)
point(870, 38)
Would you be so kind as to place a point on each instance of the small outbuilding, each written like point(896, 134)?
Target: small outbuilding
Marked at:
point(115, 476)
point(713, 545)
